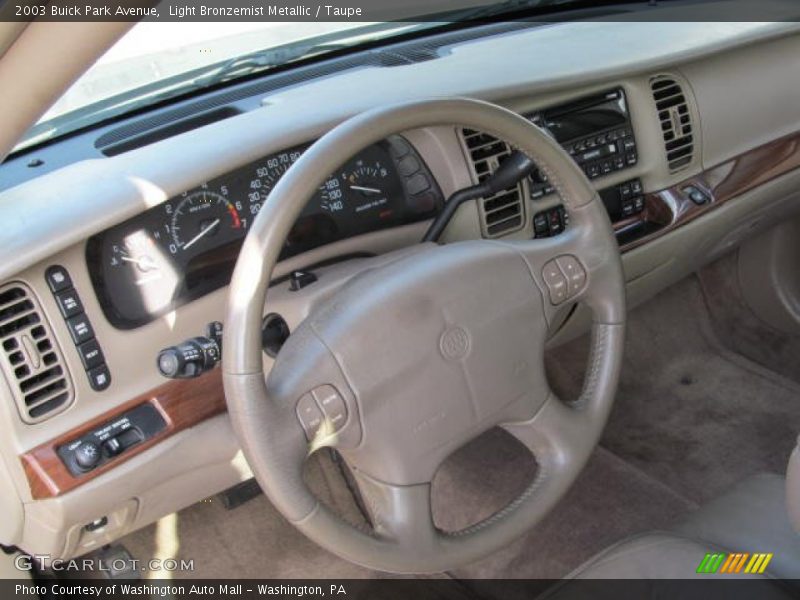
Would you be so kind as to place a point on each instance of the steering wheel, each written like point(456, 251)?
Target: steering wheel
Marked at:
point(414, 357)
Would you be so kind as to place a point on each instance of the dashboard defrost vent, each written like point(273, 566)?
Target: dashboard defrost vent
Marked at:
point(504, 212)
point(676, 121)
point(30, 357)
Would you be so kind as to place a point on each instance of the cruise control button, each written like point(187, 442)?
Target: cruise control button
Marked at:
point(99, 378)
point(574, 272)
point(80, 329)
point(57, 278)
point(91, 355)
point(69, 303)
point(333, 407)
point(309, 415)
point(555, 281)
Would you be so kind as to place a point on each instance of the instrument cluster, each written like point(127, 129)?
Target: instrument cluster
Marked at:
point(187, 246)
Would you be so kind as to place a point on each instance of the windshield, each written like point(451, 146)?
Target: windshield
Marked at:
point(154, 61)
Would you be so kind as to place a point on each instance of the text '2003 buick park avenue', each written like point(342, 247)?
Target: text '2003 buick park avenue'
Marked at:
point(502, 296)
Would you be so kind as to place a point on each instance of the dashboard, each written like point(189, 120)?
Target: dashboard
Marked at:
point(187, 246)
point(140, 236)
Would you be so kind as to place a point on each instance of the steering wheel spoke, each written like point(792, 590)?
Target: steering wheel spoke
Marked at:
point(401, 514)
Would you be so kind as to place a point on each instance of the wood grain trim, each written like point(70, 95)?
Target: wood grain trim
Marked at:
point(671, 208)
point(182, 403)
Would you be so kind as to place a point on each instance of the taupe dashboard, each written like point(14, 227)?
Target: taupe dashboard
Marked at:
point(738, 97)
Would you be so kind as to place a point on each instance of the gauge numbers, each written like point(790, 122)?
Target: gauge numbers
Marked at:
point(200, 218)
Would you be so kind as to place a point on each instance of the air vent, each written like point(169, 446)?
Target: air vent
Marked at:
point(31, 359)
point(504, 212)
point(676, 121)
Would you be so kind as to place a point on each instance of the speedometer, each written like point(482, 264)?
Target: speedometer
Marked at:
point(267, 175)
point(203, 216)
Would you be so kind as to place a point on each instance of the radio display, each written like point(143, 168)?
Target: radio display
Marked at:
point(586, 116)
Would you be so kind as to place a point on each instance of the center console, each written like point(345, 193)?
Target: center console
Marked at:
point(597, 132)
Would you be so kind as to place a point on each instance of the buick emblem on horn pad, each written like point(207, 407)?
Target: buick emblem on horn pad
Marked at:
point(454, 343)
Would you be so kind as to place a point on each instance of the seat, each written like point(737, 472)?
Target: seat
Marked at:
point(751, 518)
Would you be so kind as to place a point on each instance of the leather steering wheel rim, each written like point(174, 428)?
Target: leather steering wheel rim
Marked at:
point(264, 413)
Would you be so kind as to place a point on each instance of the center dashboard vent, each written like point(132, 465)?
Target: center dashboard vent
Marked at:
point(504, 212)
point(676, 121)
point(30, 358)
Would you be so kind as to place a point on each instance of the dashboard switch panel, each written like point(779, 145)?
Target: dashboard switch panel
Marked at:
point(79, 326)
point(550, 222)
point(111, 439)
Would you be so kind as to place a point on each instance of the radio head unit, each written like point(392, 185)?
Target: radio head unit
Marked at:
point(596, 130)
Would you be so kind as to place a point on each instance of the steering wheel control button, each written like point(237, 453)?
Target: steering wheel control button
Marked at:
point(333, 406)
point(310, 416)
point(574, 272)
point(555, 281)
point(57, 278)
point(87, 456)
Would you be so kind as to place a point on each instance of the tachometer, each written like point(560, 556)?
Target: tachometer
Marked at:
point(201, 217)
point(367, 186)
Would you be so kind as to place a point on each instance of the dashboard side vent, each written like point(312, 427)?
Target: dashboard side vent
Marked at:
point(504, 212)
point(676, 121)
point(30, 358)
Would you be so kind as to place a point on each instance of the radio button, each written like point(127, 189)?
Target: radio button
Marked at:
point(555, 281)
point(310, 416)
point(574, 272)
point(332, 404)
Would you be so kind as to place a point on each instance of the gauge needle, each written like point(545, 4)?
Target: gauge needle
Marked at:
point(145, 262)
point(205, 230)
point(360, 188)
